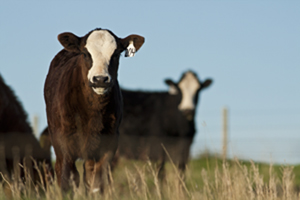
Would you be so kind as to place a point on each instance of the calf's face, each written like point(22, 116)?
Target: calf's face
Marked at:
point(101, 50)
point(189, 88)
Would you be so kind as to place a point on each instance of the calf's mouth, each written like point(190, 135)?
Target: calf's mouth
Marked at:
point(100, 88)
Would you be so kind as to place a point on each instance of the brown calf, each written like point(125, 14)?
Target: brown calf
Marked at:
point(84, 103)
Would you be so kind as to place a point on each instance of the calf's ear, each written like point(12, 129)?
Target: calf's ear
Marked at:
point(173, 89)
point(206, 83)
point(69, 41)
point(132, 44)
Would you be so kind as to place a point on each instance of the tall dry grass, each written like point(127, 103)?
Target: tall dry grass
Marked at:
point(139, 181)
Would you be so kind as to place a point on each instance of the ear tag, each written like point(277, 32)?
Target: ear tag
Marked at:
point(130, 51)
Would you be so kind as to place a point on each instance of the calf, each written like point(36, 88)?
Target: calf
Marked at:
point(151, 119)
point(84, 103)
point(16, 138)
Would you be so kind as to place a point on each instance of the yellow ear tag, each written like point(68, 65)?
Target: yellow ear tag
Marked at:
point(130, 51)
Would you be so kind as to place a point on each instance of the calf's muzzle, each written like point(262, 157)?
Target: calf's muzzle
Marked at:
point(100, 81)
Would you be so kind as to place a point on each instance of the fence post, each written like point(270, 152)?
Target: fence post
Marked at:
point(225, 132)
point(35, 125)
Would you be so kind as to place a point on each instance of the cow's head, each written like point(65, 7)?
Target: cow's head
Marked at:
point(188, 88)
point(101, 51)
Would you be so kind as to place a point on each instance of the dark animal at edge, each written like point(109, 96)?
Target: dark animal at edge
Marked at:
point(84, 104)
point(17, 141)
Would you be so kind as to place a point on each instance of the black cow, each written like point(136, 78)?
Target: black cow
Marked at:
point(151, 119)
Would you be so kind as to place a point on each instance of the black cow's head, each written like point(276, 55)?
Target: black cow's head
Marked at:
point(101, 50)
point(188, 88)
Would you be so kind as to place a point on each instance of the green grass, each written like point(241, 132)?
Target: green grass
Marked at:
point(210, 163)
point(206, 177)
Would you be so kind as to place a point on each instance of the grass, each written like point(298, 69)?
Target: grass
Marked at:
point(207, 177)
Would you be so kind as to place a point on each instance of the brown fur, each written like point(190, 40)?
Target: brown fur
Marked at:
point(81, 123)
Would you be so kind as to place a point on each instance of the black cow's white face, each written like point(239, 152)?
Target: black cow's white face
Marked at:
point(189, 87)
point(101, 45)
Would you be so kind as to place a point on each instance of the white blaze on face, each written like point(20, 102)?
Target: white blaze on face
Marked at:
point(188, 86)
point(101, 45)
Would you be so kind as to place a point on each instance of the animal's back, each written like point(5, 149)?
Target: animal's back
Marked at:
point(13, 118)
point(153, 114)
point(16, 136)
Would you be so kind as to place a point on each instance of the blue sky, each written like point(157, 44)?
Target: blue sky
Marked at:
point(251, 49)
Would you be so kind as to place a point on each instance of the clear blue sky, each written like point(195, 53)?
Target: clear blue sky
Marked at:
point(251, 49)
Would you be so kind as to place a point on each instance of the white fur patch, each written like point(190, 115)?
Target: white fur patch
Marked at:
point(100, 90)
point(173, 90)
point(101, 45)
point(95, 190)
point(188, 86)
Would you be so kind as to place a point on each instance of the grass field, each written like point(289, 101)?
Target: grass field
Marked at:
point(207, 177)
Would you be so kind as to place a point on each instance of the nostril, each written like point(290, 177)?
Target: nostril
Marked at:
point(100, 79)
point(105, 79)
point(95, 80)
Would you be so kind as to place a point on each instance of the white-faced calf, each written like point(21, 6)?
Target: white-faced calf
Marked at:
point(84, 103)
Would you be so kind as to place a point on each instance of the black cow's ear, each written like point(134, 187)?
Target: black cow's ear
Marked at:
point(132, 44)
point(169, 82)
point(206, 83)
point(173, 89)
point(69, 41)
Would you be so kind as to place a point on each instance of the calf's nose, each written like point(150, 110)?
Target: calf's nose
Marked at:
point(100, 79)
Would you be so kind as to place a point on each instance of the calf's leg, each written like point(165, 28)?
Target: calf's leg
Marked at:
point(96, 173)
point(69, 174)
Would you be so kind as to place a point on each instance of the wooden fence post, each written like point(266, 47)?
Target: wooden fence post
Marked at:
point(35, 125)
point(225, 132)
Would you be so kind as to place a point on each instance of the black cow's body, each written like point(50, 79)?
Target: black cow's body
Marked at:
point(153, 119)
